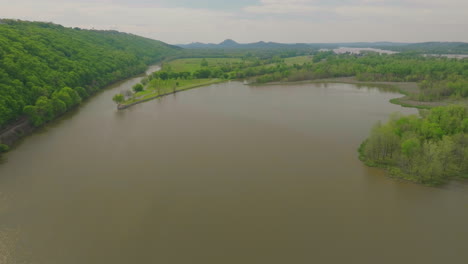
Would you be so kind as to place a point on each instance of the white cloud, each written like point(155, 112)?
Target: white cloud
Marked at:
point(271, 20)
point(173, 25)
point(283, 7)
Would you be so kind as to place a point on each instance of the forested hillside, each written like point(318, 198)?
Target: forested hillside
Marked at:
point(46, 69)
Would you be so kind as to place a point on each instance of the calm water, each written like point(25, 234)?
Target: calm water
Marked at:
point(222, 174)
point(343, 50)
point(361, 50)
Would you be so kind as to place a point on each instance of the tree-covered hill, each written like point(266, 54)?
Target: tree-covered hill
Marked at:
point(46, 69)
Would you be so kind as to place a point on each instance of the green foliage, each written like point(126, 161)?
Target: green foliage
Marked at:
point(118, 98)
point(193, 64)
point(204, 63)
point(81, 92)
point(428, 149)
point(202, 74)
point(33, 114)
point(182, 74)
point(262, 53)
point(45, 108)
point(438, 78)
point(159, 87)
point(38, 61)
point(410, 147)
point(138, 87)
point(431, 48)
point(4, 148)
point(59, 106)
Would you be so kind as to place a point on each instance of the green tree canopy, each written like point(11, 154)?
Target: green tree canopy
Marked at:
point(429, 149)
point(118, 98)
point(45, 69)
point(138, 87)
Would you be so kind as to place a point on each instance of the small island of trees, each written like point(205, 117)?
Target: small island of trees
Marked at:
point(430, 148)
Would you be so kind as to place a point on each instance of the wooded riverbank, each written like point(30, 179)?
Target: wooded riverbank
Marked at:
point(23, 127)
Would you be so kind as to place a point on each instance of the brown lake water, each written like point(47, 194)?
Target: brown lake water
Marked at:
point(222, 174)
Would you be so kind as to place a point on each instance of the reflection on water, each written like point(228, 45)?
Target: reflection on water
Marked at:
point(223, 174)
point(343, 50)
point(9, 239)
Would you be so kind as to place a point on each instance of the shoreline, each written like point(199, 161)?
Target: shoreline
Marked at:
point(404, 88)
point(13, 133)
point(152, 97)
point(21, 128)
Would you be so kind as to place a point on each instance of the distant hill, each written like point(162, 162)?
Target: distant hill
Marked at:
point(231, 44)
point(46, 69)
point(426, 47)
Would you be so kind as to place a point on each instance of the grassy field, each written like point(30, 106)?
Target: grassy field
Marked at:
point(298, 60)
point(159, 87)
point(193, 64)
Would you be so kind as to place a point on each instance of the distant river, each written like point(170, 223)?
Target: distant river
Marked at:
point(222, 174)
point(343, 50)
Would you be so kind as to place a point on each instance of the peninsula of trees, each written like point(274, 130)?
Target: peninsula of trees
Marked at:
point(430, 148)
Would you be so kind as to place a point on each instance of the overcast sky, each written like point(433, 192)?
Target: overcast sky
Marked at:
point(289, 21)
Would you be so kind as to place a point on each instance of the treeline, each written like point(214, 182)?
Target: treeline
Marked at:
point(438, 77)
point(249, 66)
point(260, 53)
point(192, 72)
point(430, 148)
point(46, 69)
point(430, 48)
